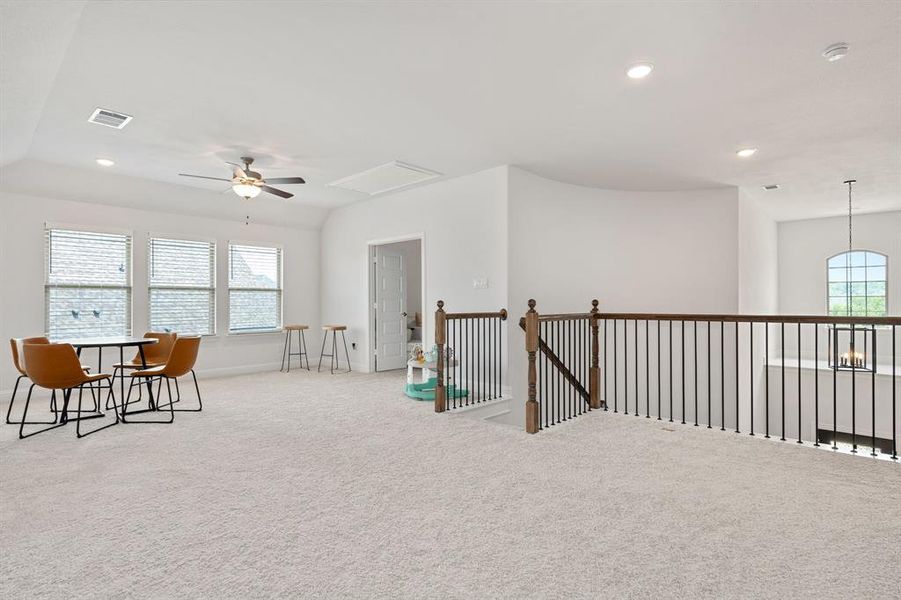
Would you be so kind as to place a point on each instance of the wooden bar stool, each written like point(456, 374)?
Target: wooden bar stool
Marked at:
point(301, 346)
point(333, 357)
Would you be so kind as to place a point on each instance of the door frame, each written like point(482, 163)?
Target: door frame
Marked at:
point(371, 342)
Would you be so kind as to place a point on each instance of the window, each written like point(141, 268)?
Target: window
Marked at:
point(182, 282)
point(87, 284)
point(254, 288)
point(858, 276)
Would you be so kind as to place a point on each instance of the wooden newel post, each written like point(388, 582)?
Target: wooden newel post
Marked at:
point(440, 340)
point(594, 373)
point(532, 412)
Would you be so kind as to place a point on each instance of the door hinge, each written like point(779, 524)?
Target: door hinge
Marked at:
point(375, 352)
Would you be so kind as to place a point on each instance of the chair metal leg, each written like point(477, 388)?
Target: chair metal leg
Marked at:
point(346, 355)
point(321, 352)
point(12, 399)
point(303, 341)
point(24, 421)
point(152, 407)
point(178, 397)
point(334, 356)
point(78, 432)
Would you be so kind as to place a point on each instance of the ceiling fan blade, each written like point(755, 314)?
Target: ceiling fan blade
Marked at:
point(272, 190)
point(286, 180)
point(204, 177)
point(238, 170)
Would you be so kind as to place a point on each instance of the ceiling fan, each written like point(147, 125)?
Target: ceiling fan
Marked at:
point(248, 184)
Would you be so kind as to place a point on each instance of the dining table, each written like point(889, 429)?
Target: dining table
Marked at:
point(120, 342)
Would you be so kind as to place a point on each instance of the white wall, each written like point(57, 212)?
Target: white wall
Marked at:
point(633, 251)
point(804, 247)
point(464, 228)
point(22, 274)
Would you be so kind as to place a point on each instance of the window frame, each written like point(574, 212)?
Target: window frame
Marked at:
point(129, 287)
point(215, 283)
point(279, 328)
point(886, 280)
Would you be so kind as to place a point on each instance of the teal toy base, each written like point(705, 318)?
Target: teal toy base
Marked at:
point(426, 390)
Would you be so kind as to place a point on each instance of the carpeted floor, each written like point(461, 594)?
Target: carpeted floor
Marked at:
point(320, 486)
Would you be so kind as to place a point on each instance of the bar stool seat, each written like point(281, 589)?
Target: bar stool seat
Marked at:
point(333, 357)
point(301, 346)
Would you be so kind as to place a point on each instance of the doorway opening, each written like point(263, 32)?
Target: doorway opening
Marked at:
point(396, 294)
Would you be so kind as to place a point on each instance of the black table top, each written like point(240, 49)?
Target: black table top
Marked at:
point(109, 342)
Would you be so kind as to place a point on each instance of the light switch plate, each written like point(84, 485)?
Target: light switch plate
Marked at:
point(480, 283)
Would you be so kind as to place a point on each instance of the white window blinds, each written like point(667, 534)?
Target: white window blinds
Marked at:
point(182, 282)
point(254, 288)
point(87, 285)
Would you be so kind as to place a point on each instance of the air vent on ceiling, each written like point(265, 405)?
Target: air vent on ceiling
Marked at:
point(385, 178)
point(110, 118)
point(771, 187)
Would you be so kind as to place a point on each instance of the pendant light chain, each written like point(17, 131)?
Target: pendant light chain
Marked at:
point(849, 183)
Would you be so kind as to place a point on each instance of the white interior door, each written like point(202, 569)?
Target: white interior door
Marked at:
point(390, 309)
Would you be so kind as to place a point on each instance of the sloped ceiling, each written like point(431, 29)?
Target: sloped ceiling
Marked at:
point(324, 90)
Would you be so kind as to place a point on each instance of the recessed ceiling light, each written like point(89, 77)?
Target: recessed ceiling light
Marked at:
point(836, 52)
point(746, 152)
point(640, 70)
point(105, 162)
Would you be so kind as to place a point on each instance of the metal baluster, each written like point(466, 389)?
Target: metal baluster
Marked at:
point(751, 371)
point(560, 404)
point(709, 426)
point(659, 411)
point(682, 351)
point(766, 375)
point(873, 408)
point(625, 367)
point(782, 433)
point(647, 369)
point(722, 376)
point(800, 440)
point(835, 389)
point(694, 330)
point(615, 352)
point(670, 371)
point(736, 378)
point(853, 395)
point(606, 390)
point(816, 385)
point(636, 366)
point(894, 399)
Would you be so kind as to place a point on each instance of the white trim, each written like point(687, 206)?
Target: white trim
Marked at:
point(89, 228)
point(370, 281)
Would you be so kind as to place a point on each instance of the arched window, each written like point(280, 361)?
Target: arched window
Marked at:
point(857, 284)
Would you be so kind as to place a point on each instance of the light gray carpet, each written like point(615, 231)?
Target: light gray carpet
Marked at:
point(322, 486)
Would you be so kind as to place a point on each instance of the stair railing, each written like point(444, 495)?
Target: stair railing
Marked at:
point(564, 382)
point(470, 357)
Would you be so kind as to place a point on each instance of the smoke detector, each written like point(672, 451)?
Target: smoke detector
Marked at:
point(836, 52)
point(109, 118)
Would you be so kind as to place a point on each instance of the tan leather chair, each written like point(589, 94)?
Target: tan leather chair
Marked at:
point(154, 355)
point(57, 367)
point(181, 362)
point(16, 346)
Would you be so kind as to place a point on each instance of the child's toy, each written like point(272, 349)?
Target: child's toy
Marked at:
point(427, 362)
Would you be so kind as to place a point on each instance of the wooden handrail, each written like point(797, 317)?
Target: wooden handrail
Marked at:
point(501, 314)
point(826, 320)
point(565, 317)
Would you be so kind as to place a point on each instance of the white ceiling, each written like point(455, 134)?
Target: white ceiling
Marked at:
point(324, 90)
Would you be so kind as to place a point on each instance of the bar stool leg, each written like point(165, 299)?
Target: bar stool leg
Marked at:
point(285, 351)
point(346, 355)
point(322, 352)
point(334, 359)
point(303, 341)
point(290, 340)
